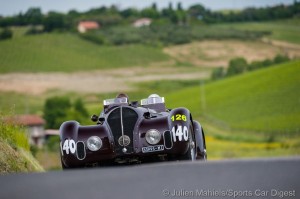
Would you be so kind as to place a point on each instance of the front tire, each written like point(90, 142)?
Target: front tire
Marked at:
point(191, 152)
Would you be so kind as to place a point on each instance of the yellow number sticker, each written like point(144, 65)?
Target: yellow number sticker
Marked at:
point(178, 117)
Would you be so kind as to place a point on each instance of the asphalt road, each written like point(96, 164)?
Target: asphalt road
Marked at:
point(270, 178)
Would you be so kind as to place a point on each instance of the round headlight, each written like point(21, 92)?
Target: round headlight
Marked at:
point(153, 136)
point(94, 143)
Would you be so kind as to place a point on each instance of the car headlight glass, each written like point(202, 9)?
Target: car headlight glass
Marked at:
point(94, 143)
point(153, 136)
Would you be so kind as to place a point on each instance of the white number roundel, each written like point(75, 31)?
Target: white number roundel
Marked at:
point(69, 146)
point(180, 134)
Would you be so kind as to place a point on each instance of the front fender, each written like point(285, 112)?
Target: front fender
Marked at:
point(73, 139)
point(200, 140)
point(180, 125)
point(68, 129)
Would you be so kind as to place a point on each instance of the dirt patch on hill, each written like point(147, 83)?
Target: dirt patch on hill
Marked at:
point(94, 81)
point(218, 53)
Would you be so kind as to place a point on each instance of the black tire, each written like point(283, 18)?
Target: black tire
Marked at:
point(63, 166)
point(191, 152)
point(203, 155)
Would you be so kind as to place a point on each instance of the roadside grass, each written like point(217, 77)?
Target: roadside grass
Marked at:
point(15, 155)
point(14, 135)
point(266, 100)
point(16, 103)
point(50, 160)
point(226, 149)
point(67, 52)
point(284, 30)
point(225, 143)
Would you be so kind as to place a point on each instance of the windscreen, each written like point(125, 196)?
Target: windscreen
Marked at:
point(152, 100)
point(120, 100)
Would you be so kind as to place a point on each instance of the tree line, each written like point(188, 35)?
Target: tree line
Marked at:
point(110, 16)
point(240, 65)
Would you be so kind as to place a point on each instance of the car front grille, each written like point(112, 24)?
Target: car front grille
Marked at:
point(80, 150)
point(122, 116)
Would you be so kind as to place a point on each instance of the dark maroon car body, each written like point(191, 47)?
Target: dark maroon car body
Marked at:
point(182, 138)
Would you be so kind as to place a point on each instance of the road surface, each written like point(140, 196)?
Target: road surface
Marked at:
point(258, 178)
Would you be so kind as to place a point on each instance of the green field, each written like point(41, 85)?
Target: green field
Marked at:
point(284, 30)
point(67, 52)
point(252, 115)
point(266, 100)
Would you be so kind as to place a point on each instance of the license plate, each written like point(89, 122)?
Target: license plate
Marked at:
point(149, 149)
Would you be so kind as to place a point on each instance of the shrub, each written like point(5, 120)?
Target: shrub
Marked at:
point(55, 111)
point(59, 109)
point(97, 38)
point(53, 143)
point(255, 65)
point(237, 66)
point(6, 34)
point(280, 59)
point(218, 73)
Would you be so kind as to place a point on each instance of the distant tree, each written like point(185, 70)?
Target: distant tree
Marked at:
point(154, 6)
point(33, 16)
point(73, 13)
point(267, 62)
point(108, 20)
point(218, 73)
point(54, 21)
point(150, 12)
point(6, 34)
point(129, 12)
point(280, 59)
point(113, 10)
point(170, 6)
point(236, 66)
point(55, 111)
point(197, 11)
point(52, 143)
point(179, 6)
point(255, 65)
point(79, 107)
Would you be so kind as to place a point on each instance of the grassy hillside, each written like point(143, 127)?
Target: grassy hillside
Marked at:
point(67, 52)
point(267, 100)
point(284, 30)
point(15, 155)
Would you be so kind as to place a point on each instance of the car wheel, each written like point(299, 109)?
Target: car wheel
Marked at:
point(191, 152)
point(63, 166)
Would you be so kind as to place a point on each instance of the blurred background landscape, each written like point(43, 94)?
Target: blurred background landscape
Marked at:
point(236, 69)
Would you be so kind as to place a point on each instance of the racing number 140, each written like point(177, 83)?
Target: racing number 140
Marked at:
point(180, 132)
point(69, 145)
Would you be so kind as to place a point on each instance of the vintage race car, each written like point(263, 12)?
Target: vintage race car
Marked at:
point(134, 132)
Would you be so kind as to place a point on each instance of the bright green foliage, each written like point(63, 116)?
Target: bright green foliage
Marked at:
point(236, 66)
point(14, 135)
point(60, 109)
point(67, 52)
point(55, 111)
point(218, 73)
point(79, 107)
point(264, 100)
